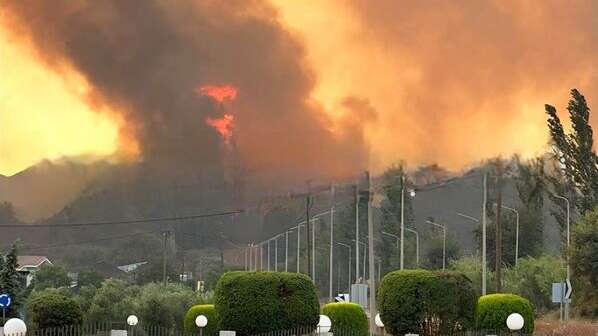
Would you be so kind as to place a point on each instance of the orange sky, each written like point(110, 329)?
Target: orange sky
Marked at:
point(355, 51)
point(50, 122)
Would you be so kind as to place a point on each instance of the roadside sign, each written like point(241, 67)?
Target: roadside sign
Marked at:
point(558, 292)
point(342, 298)
point(5, 301)
point(568, 289)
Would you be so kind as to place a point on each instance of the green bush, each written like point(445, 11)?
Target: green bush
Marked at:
point(209, 312)
point(426, 302)
point(347, 316)
point(49, 309)
point(257, 302)
point(493, 309)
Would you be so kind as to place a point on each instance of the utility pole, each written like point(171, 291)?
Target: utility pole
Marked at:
point(484, 263)
point(165, 235)
point(498, 236)
point(372, 265)
point(286, 251)
point(357, 231)
point(330, 271)
point(308, 228)
point(402, 221)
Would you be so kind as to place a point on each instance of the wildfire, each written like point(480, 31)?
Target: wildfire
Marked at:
point(224, 126)
point(218, 93)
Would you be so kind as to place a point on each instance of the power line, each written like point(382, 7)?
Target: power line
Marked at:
point(88, 241)
point(133, 221)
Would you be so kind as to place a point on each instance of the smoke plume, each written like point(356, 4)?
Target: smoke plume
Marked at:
point(146, 59)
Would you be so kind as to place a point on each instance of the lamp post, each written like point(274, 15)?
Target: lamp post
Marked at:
point(364, 254)
point(349, 247)
point(416, 246)
point(397, 238)
point(567, 254)
point(483, 248)
point(516, 231)
point(443, 227)
point(201, 322)
point(515, 322)
point(331, 253)
point(324, 324)
point(14, 327)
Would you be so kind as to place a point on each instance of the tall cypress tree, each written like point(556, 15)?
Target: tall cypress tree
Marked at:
point(575, 152)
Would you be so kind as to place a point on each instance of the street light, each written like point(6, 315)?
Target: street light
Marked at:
point(392, 235)
point(132, 320)
point(324, 324)
point(483, 240)
point(201, 321)
point(378, 321)
point(567, 254)
point(515, 322)
point(443, 227)
point(416, 245)
point(15, 327)
point(516, 231)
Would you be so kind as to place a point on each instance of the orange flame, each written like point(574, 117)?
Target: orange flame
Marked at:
point(218, 93)
point(224, 126)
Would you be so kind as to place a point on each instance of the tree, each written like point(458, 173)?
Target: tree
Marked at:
point(392, 184)
point(50, 308)
point(89, 277)
point(531, 187)
point(575, 151)
point(113, 301)
point(434, 252)
point(11, 282)
point(584, 263)
point(153, 272)
point(532, 278)
point(51, 276)
point(167, 305)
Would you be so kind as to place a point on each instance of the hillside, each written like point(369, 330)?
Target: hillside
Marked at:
point(43, 189)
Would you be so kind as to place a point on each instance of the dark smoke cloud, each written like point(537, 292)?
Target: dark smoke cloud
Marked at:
point(145, 58)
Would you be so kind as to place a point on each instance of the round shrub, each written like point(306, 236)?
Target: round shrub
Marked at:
point(257, 302)
point(346, 316)
point(209, 312)
point(50, 309)
point(426, 302)
point(493, 309)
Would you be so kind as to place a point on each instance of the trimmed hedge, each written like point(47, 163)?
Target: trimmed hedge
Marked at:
point(50, 309)
point(209, 311)
point(426, 302)
point(257, 302)
point(346, 316)
point(493, 309)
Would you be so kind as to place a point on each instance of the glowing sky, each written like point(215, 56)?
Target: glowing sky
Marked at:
point(43, 116)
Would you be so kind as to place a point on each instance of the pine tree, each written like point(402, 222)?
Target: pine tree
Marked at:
point(10, 281)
